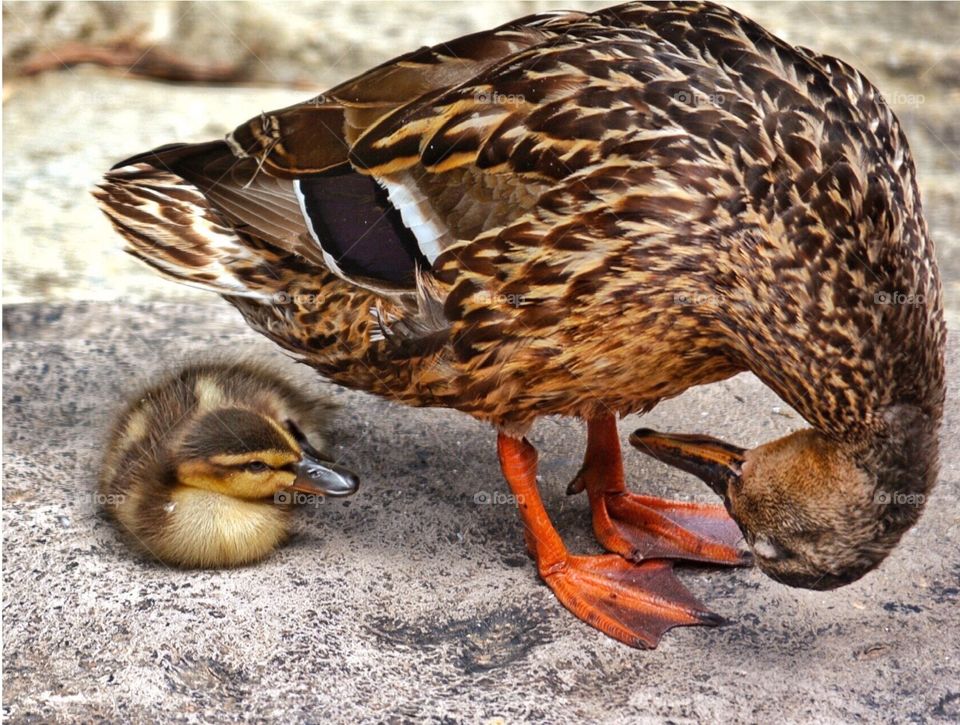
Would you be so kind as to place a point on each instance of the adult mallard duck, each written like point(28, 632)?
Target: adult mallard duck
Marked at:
point(203, 467)
point(584, 214)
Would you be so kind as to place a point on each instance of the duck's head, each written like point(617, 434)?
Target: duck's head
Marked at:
point(818, 513)
point(248, 455)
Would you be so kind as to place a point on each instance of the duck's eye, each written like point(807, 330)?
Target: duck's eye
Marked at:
point(256, 467)
point(768, 548)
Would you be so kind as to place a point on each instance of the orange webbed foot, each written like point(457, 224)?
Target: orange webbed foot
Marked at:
point(645, 527)
point(633, 603)
point(641, 527)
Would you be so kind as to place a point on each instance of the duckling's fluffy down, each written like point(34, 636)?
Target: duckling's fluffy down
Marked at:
point(138, 482)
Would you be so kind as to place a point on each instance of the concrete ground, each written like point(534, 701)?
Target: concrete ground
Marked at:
point(414, 600)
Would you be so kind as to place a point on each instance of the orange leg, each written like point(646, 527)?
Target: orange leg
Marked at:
point(634, 603)
point(645, 527)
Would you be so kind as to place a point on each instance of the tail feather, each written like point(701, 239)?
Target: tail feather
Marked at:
point(168, 224)
point(234, 186)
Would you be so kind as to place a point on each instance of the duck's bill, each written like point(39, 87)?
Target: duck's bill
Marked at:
point(715, 462)
point(318, 476)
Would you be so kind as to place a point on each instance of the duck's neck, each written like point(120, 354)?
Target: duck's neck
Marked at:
point(845, 333)
point(852, 336)
point(905, 453)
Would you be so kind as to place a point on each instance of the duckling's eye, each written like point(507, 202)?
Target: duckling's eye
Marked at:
point(256, 467)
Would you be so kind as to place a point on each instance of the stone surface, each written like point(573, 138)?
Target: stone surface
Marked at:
point(414, 599)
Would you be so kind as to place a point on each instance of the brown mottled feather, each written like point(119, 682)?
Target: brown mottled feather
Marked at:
point(640, 199)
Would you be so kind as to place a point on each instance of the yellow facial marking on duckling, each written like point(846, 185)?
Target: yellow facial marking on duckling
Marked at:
point(233, 480)
point(283, 431)
point(273, 458)
point(210, 395)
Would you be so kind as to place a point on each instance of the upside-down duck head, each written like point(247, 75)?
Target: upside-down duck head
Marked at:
point(818, 513)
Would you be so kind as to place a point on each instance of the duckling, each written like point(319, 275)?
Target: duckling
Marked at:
point(202, 468)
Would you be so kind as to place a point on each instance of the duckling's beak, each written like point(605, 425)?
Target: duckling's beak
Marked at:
point(717, 463)
point(317, 475)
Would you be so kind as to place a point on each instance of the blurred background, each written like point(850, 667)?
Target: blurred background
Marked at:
point(88, 83)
